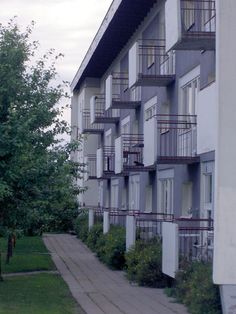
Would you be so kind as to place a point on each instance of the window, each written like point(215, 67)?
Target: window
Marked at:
point(114, 193)
point(188, 15)
point(190, 94)
point(187, 198)
point(125, 125)
point(134, 192)
point(165, 116)
point(150, 56)
point(148, 199)
point(208, 188)
point(208, 16)
point(166, 195)
point(150, 112)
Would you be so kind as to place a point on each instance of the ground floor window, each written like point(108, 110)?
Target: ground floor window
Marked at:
point(165, 195)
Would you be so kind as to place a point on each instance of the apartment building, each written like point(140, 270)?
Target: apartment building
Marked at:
point(146, 99)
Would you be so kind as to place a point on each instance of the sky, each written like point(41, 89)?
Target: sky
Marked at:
point(68, 26)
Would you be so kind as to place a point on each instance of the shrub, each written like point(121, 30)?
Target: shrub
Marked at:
point(110, 247)
point(81, 226)
point(94, 235)
point(144, 264)
point(194, 288)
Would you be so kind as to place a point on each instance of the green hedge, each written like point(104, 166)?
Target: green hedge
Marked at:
point(110, 247)
point(93, 236)
point(143, 264)
point(81, 226)
point(194, 288)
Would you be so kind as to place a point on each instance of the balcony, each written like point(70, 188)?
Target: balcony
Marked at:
point(106, 162)
point(87, 127)
point(150, 65)
point(90, 161)
point(190, 24)
point(177, 139)
point(118, 94)
point(196, 239)
point(129, 154)
point(98, 112)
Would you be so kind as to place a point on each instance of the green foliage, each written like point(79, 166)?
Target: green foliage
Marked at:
point(37, 189)
point(38, 294)
point(143, 264)
point(93, 236)
point(30, 254)
point(194, 288)
point(110, 247)
point(81, 226)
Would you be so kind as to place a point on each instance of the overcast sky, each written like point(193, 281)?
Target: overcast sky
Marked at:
point(66, 25)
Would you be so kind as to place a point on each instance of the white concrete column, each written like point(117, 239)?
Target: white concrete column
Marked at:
point(91, 218)
point(106, 222)
point(130, 231)
point(224, 266)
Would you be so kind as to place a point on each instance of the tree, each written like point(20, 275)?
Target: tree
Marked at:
point(37, 179)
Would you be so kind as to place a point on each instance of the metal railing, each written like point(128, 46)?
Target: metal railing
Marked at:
point(117, 216)
point(108, 159)
point(120, 86)
point(198, 17)
point(98, 214)
point(153, 59)
point(99, 109)
point(91, 166)
point(86, 123)
point(196, 239)
point(132, 150)
point(177, 136)
point(149, 225)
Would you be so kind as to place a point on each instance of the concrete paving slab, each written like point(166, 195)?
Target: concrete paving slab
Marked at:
point(100, 290)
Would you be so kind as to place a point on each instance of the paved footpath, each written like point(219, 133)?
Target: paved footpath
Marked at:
point(100, 290)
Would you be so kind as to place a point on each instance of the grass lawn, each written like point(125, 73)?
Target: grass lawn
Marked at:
point(36, 294)
point(30, 254)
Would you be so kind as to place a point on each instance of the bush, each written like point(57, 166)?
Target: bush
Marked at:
point(194, 288)
point(93, 236)
point(81, 226)
point(144, 266)
point(110, 247)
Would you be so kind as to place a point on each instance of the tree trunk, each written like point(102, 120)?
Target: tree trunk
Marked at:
point(1, 279)
point(9, 248)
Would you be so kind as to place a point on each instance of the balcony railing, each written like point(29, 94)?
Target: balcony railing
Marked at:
point(118, 94)
point(88, 127)
point(153, 66)
point(91, 162)
point(98, 112)
point(129, 154)
point(149, 225)
point(132, 151)
point(196, 239)
point(177, 142)
point(117, 216)
point(197, 19)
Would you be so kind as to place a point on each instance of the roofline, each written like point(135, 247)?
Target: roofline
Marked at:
point(103, 27)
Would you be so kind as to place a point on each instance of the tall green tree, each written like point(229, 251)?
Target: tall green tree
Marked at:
point(37, 179)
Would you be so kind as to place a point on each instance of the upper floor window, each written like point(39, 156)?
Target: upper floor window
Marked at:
point(150, 112)
point(189, 97)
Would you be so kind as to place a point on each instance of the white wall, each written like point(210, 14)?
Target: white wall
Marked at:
point(207, 120)
point(118, 155)
point(99, 162)
point(170, 249)
point(133, 64)
point(150, 135)
point(224, 266)
point(173, 23)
